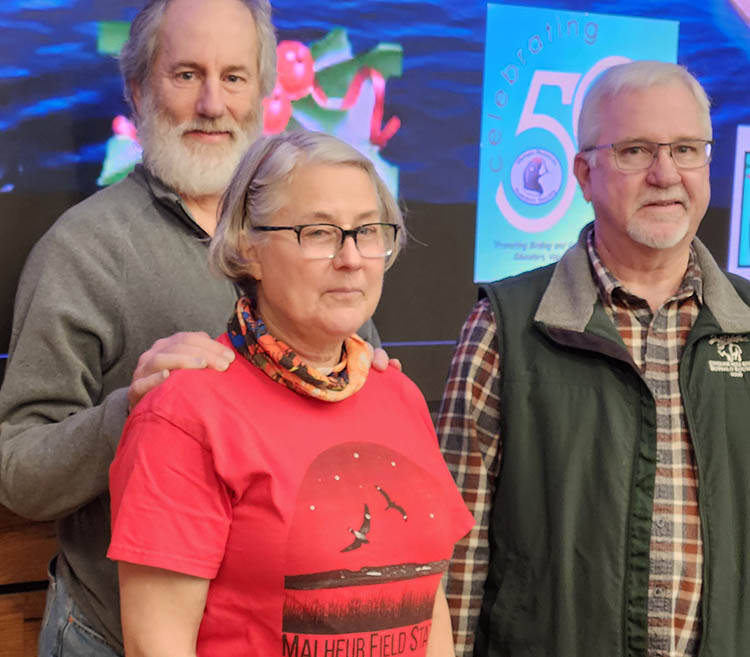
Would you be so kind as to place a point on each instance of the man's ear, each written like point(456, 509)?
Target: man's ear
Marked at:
point(582, 171)
point(135, 94)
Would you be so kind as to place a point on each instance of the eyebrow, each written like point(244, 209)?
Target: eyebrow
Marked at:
point(234, 68)
point(654, 141)
point(237, 68)
point(185, 63)
point(322, 214)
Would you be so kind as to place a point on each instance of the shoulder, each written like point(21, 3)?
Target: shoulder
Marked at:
point(393, 381)
point(741, 285)
point(515, 300)
point(389, 389)
point(176, 406)
point(200, 400)
point(478, 331)
point(191, 391)
point(481, 315)
point(392, 390)
point(106, 217)
point(106, 232)
point(103, 212)
point(529, 280)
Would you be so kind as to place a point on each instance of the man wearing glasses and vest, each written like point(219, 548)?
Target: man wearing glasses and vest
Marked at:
point(597, 411)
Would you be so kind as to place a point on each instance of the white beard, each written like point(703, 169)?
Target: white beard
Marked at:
point(192, 169)
point(653, 234)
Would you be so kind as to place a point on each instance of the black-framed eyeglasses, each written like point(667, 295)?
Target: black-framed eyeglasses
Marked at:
point(319, 241)
point(637, 155)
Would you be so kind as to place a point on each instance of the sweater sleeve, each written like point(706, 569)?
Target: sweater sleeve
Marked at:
point(58, 428)
point(369, 333)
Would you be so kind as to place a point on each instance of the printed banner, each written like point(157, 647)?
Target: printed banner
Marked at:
point(739, 234)
point(539, 63)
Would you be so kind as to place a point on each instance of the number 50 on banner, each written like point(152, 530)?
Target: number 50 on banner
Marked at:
point(529, 209)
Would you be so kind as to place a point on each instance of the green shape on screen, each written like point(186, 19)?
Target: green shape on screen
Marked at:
point(386, 58)
point(122, 156)
point(111, 36)
point(334, 45)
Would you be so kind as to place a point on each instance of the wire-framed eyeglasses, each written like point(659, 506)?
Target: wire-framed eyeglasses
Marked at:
point(637, 155)
point(319, 241)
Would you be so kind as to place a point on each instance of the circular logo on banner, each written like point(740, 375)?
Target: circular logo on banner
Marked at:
point(536, 176)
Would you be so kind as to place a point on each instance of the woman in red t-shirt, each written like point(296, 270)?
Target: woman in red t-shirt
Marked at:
point(297, 503)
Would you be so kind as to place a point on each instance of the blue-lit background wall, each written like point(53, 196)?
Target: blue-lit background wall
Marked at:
point(59, 95)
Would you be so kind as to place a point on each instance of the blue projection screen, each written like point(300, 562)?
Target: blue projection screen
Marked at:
point(416, 85)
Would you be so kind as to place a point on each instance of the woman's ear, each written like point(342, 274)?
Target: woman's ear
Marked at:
point(253, 265)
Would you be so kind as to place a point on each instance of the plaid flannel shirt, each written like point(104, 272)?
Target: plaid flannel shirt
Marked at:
point(468, 426)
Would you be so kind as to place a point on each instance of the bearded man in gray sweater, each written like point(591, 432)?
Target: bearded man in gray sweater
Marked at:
point(118, 293)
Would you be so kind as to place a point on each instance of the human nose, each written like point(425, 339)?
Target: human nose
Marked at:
point(210, 101)
point(663, 171)
point(348, 254)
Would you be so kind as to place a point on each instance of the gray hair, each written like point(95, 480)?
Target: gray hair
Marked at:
point(138, 53)
point(634, 76)
point(256, 194)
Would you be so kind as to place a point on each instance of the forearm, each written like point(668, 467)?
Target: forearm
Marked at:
point(464, 585)
point(61, 410)
point(469, 430)
point(50, 468)
point(469, 566)
point(466, 577)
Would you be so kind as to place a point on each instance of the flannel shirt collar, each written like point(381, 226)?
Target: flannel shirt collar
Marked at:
point(571, 295)
point(611, 290)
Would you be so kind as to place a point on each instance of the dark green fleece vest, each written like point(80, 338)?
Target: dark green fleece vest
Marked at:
point(571, 523)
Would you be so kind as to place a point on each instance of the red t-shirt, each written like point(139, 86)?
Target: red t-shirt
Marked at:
point(324, 527)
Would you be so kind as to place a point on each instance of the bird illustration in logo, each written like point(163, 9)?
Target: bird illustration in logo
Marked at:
point(359, 534)
point(391, 504)
point(534, 170)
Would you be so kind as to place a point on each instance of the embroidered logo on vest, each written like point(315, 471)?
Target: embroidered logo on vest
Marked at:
point(728, 348)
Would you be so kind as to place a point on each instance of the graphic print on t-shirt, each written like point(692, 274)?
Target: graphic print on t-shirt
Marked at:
point(368, 543)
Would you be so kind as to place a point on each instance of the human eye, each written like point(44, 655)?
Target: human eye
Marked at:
point(369, 230)
point(236, 78)
point(633, 149)
point(318, 232)
point(686, 147)
point(184, 75)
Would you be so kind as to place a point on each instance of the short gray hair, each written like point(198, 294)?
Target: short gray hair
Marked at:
point(256, 194)
point(634, 76)
point(138, 53)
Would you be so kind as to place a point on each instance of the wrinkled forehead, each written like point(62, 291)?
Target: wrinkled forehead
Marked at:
point(218, 33)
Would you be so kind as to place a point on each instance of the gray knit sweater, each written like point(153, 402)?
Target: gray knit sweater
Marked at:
point(116, 272)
